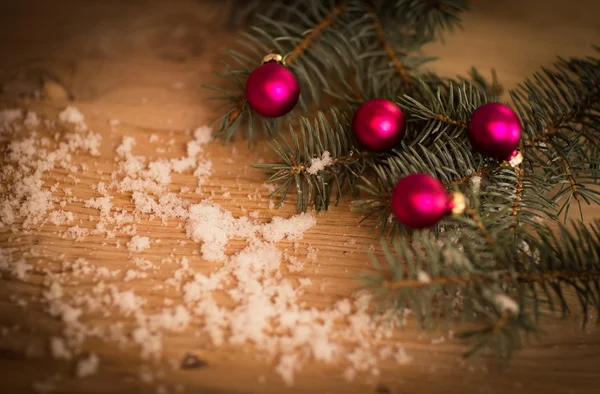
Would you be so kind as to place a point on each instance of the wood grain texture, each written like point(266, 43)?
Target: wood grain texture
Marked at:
point(143, 63)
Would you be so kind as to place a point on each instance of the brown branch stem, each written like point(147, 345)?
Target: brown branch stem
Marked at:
point(237, 111)
point(316, 32)
point(474, 215)
point(443, 118)
point(575, 111)
point(501, 323)
point(477, 278)
point(382, 37)
point(567, 167)
point(519, 190)
point(351, 158)
point(546, 137)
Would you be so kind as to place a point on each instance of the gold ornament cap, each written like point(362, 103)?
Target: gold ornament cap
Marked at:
point(458, 203)
point(273, 57)
point(514, 159)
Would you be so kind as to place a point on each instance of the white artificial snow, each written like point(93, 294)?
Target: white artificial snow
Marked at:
point(59, 349)
point(44, 387)
point(183, 164)
point(75, 233)
point(127, 301)
point(133, 274)
point(178, 85)
point(138, 244)
point(87, 366)
point(318, 164)
point(159, 171)
point(17, 267)
point(401, 357)
point(288, 364)
point(203, 135)
point(31, 120)
point(126, 146)
point(103, 204)
point(476, 184)
point(7, 214)
point(203, 170)
point(423, 277)
point(269, 187)
point(20, 269)
point(74, 116)
point(61, 217)
point(213, 227)
point(26, 159)
point(505, 303)
point(292, 229)
point(55, 291)
point(9, 116)
point(264, 305)
point(312, 253)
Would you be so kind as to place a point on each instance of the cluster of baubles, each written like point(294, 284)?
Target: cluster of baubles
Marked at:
point(418, 200)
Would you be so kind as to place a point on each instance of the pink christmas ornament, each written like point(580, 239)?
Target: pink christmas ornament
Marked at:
point(272, 90)
point(494, 130)
point(378, 125)
point(420, 201)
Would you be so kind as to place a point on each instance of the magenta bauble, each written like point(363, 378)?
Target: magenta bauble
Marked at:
point(272, 90)
point(378, 125)
point(495, 130)
point(420, 201)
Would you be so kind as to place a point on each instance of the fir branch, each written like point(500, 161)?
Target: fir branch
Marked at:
point(560, 108)
point(518, 192)
point(324, 41)
point(476, 218)
point(435, 143)
point(444, 111)
point(317, 43)
point(427, 18)
point(501, 264)
point(440, 115)
point(493, 89)
point(328, 141)
point(248, 12)
point(316, 31)
point(577, 109)
point(435, 271)
point(382, 37)
point(420, 18)
point(444, 119)
point(468, 178)
point(386, 50)
point(492, 278)
point(569, 173)
point(449, 159)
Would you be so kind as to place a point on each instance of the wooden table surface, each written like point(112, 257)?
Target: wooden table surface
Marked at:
point(143, 63)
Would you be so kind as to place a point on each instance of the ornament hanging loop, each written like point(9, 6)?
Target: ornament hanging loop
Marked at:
point(273, 57)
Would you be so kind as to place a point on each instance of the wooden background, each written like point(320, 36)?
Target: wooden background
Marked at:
point(143, 63)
